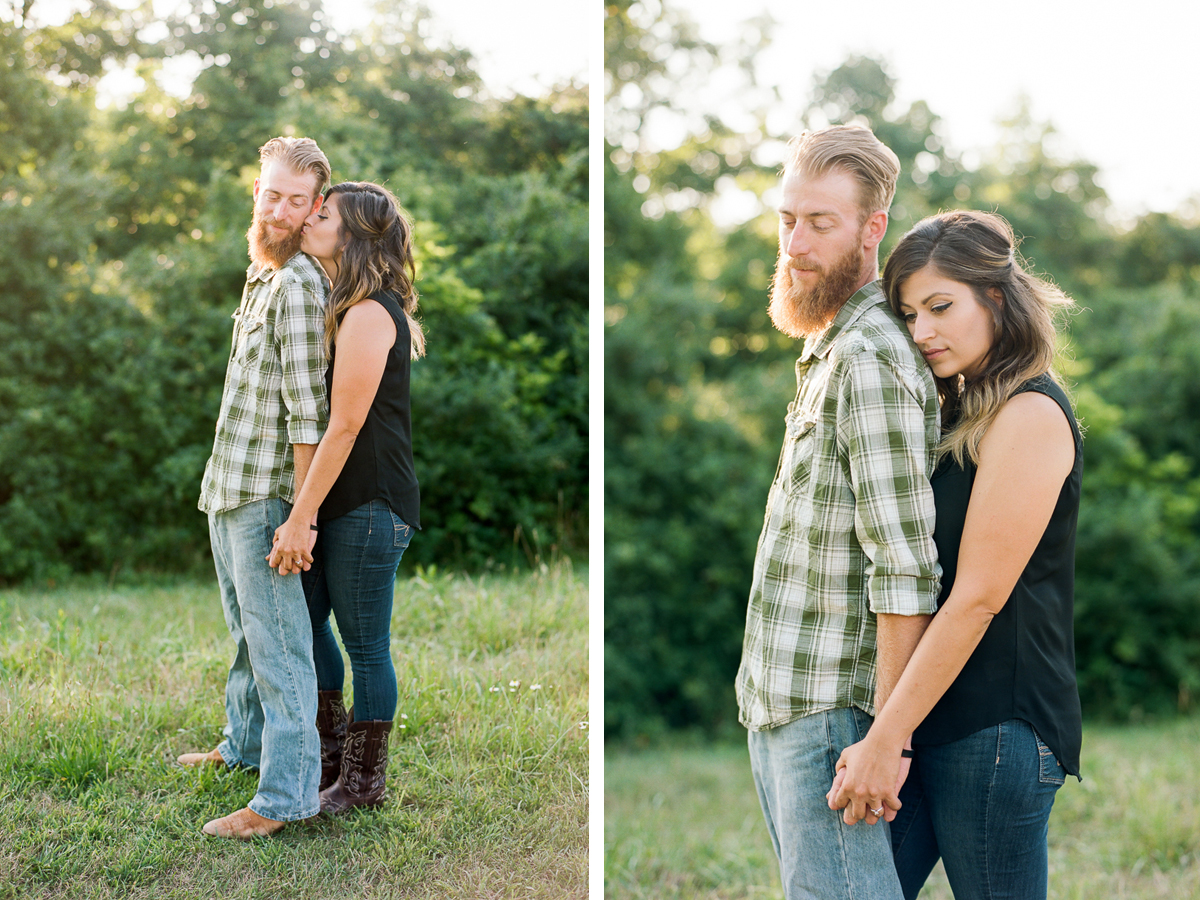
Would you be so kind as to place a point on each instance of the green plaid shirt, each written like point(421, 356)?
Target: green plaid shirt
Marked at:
point(274, 393)
point(848, 531)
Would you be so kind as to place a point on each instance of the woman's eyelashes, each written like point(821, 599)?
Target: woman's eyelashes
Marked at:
point(910, 318)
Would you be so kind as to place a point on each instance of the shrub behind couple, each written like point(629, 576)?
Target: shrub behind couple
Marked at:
point(310, 490)
point(848, 678)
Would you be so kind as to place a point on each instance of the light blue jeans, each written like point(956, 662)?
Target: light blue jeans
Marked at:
point(820, 856)
point(983, 805)
point(271, 692)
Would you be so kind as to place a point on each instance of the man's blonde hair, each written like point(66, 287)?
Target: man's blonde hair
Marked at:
point(301, 155)
point(856, 151)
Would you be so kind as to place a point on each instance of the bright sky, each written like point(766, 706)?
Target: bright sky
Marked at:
point(1118, 82)
point(523, 46)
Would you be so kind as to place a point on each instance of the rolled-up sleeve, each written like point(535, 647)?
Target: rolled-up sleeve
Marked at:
point(299, 332)
point(883, 431)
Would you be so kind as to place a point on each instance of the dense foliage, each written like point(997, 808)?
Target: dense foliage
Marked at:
point(122, 255)
point(697, 380)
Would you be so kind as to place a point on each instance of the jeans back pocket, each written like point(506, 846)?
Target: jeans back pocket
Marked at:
point(1050, 770)
point(401, 533)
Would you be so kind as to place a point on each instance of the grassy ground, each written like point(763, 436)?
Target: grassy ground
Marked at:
point(685, 822)
point(100, 689)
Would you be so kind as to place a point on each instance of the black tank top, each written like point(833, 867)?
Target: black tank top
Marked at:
point(1024, 667)
point(380, 465)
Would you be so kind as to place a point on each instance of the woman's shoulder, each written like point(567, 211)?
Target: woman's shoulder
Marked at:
point(1031, 427)
point(368, 314)
point(1054, 394)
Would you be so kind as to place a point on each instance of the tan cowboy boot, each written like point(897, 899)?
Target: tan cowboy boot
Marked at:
point(201, 759)
point(245, 825)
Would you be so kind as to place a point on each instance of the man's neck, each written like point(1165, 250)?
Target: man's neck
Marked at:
point(870, 273)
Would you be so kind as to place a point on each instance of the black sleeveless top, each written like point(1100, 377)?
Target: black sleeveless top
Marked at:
point(380, 465)
point(1024, 667)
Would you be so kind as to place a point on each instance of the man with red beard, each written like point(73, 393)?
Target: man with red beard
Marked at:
point(846, 575)
point(273, 413)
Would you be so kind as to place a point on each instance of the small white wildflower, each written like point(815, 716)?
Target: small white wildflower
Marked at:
point(402, 725)
point(535, 687)
point(514, 684)
point(583, 726)
point(493, 690)
point(404, 715)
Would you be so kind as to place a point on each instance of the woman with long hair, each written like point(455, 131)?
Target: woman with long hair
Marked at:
point(989, 697)
point(355, 512)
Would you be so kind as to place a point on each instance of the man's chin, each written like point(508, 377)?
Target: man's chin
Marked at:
point(799, 314)
point(794, 325)
point(268, 251)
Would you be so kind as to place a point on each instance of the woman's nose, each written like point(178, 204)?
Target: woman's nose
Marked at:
point(921, 330)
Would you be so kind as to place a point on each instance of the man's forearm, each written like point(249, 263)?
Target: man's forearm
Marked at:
point(896, 639)
point(303, 454)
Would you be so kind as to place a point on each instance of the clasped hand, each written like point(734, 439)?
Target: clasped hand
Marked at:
point(292, 551)
point(868, 778)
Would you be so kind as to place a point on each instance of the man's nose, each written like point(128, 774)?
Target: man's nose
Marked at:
point(797, 243)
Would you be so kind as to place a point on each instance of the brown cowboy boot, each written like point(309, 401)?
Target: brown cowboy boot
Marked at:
point(364, 764)
point(331, 728)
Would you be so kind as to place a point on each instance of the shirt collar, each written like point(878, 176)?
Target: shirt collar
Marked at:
point(260, 272)
point(867, 296)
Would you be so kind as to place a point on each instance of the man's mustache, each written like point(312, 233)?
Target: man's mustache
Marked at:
point(801, 266)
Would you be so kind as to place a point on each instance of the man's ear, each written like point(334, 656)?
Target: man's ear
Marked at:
point(317, 204)
point(874, 229)
point(256, 190)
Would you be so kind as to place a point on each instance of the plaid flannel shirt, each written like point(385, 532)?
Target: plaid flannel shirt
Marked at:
point(848, 531)
point(274, 393)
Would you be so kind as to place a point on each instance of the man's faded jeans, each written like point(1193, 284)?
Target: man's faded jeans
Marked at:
point(820, 856)
point(271, 692)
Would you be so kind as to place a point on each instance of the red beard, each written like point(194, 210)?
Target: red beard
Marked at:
point(798, 311)
point(267, 250)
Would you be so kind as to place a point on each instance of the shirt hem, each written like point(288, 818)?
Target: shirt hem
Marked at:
point(797, 716)
point(228, 505)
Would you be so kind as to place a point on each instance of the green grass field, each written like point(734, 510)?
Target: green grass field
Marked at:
point(685, 823)
point(101, 688)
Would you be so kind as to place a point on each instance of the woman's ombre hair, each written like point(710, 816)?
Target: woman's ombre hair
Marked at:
point(375, 253)
point(978, 249)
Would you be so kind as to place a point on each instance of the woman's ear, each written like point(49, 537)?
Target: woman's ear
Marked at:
point(997, 296)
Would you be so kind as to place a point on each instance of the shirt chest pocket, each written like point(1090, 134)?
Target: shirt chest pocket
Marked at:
point(799, 449)
point(249, 335)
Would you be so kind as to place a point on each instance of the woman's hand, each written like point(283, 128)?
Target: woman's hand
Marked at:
point(868, 779)
point(292, 550)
